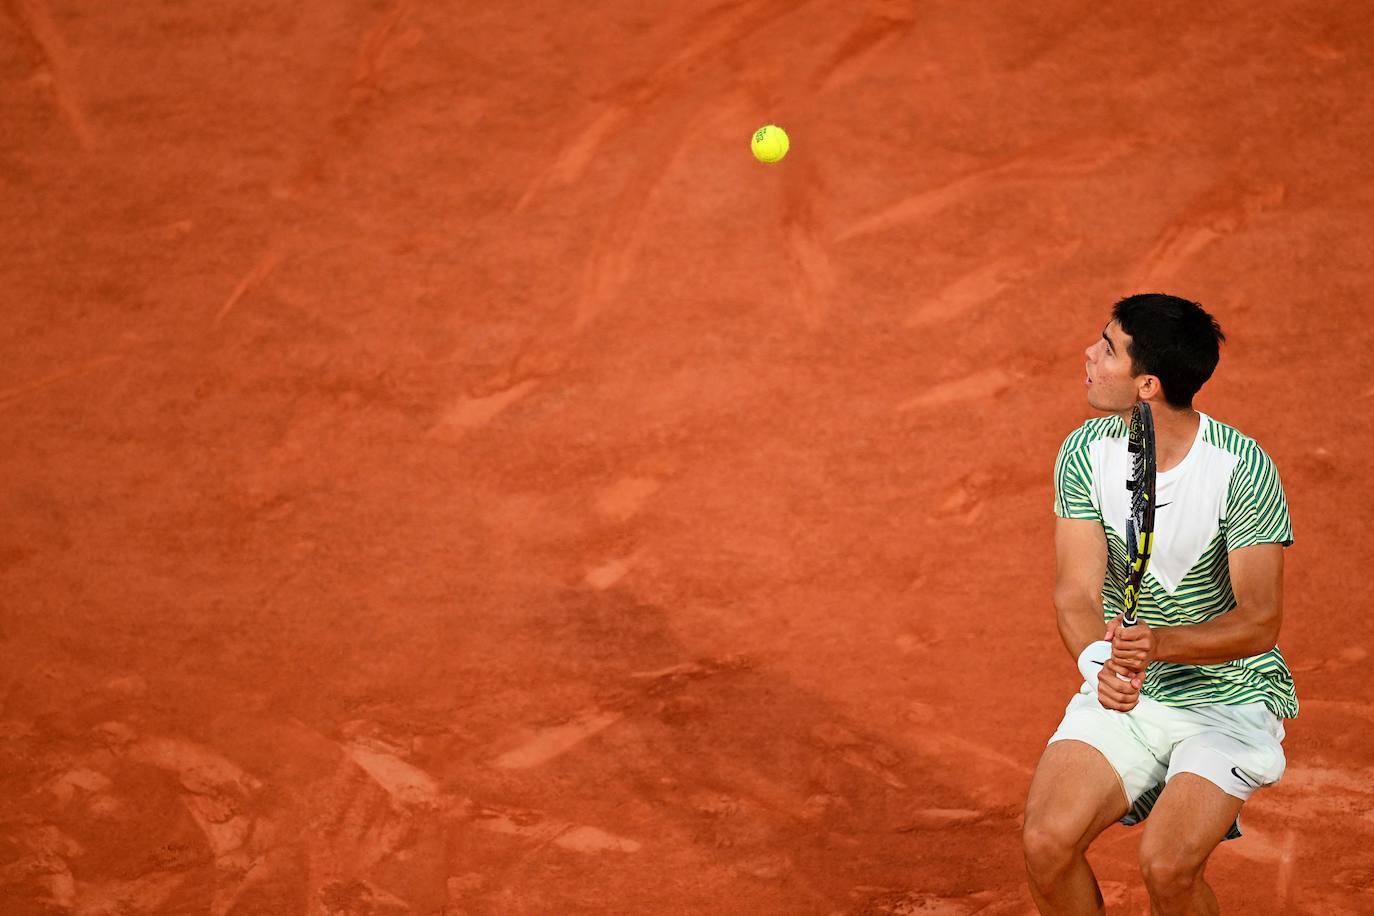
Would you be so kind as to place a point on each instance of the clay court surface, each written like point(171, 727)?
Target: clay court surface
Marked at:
point(441, 472)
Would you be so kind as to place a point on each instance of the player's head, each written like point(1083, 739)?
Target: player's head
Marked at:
point(1155, 345)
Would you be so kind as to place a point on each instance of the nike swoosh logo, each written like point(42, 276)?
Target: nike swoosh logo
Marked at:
point(1235, 771)
point(1162, 505)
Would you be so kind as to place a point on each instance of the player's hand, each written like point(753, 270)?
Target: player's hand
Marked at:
point(1133, 647)
point(1118, 688)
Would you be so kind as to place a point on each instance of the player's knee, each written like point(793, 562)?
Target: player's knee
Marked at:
point(1049, 852)
point(1167, 871)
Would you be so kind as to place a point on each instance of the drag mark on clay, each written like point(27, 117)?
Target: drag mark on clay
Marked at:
point(974, 490)
point(362, 82)
point(918, 206)
point(973, 290)
point(982, 771)
point(266, 264)
point(200, 769)
point(674, 675)
point(592, 839)
point(11, 394)
point(911, 903)
point(1047, 161)
point(564, 834)
point(81, 779)
point(402, 781)
point(145, 894)
point(881, 29)
point(220, 794)
point(716, 30)
point(608, 574)
point(530, 365)
point(1283, 882)
point(941, 819)
point(975, 387)
point(350, 895)
point(38, 855)
point(618, 245)
point(862, 761)
point(1262, 848)
point(371, 57)
point(625, 498)
point(1053, 160)
point(617, 248)
point(37, 22)
point(472, 413)
point(967, 293)
point(1222, 211)
point(367, 811)
point(878, 760)
point(1049, 42)
point(556, 740)
point(572, 160)
point(672, 672)
point(815, 273)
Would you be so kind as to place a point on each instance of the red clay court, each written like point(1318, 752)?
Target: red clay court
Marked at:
point(444, 473)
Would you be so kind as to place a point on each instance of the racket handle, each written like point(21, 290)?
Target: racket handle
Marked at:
point(1127, 620)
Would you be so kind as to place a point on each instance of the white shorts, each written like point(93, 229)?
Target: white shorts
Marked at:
point(1236, 748)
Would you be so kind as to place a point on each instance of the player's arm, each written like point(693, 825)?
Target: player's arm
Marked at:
point(1080, 555)
point(1252, 628)
point(1080, 549)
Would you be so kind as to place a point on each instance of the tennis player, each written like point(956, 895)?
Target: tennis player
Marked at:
point(1179, 718)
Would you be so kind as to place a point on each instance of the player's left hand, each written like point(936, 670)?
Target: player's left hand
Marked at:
point(1133, 647)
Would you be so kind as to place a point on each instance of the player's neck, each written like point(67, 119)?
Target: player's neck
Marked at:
point(1175, 432)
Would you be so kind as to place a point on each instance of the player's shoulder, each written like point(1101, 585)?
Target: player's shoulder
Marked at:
point(1108, 427)
point(1226, 437)
point(1244, 448)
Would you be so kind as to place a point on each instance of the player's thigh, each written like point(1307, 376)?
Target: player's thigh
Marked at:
point(1074, 795)
point(1190, 819)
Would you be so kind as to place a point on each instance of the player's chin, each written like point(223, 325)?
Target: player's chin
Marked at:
point(1097, 401)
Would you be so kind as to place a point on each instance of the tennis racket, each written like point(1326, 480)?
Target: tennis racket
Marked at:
point(1140, 521)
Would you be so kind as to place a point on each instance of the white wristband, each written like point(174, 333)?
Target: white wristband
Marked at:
point(1092, 658)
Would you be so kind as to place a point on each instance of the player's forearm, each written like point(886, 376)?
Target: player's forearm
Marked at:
point(1079, 615)
point(1240, 633)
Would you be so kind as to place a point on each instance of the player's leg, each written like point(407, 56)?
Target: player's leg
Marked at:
point(1096, 765)
point(1189, 820)
point(1211, 774)
point(1074, 795)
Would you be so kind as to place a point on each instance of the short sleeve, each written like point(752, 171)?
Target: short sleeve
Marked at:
point(1256, 510)
point(1073, 482)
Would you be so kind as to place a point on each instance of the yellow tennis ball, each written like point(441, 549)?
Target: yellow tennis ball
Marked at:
point(769, 143)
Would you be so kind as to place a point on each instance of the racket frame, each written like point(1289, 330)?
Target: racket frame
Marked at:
point(1140, 518)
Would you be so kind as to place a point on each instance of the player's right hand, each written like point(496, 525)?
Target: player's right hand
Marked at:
point(1117, 687)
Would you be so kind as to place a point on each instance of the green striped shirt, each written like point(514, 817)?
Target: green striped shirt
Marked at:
point(1223, 496)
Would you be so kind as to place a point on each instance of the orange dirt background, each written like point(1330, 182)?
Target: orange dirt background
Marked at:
point(443, 472)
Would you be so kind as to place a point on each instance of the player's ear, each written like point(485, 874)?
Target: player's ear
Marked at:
point(1148, 386)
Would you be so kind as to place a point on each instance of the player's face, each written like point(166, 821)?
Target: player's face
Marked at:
point(1111, 384)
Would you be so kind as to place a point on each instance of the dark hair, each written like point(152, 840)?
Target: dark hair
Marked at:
point(1173, 339)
